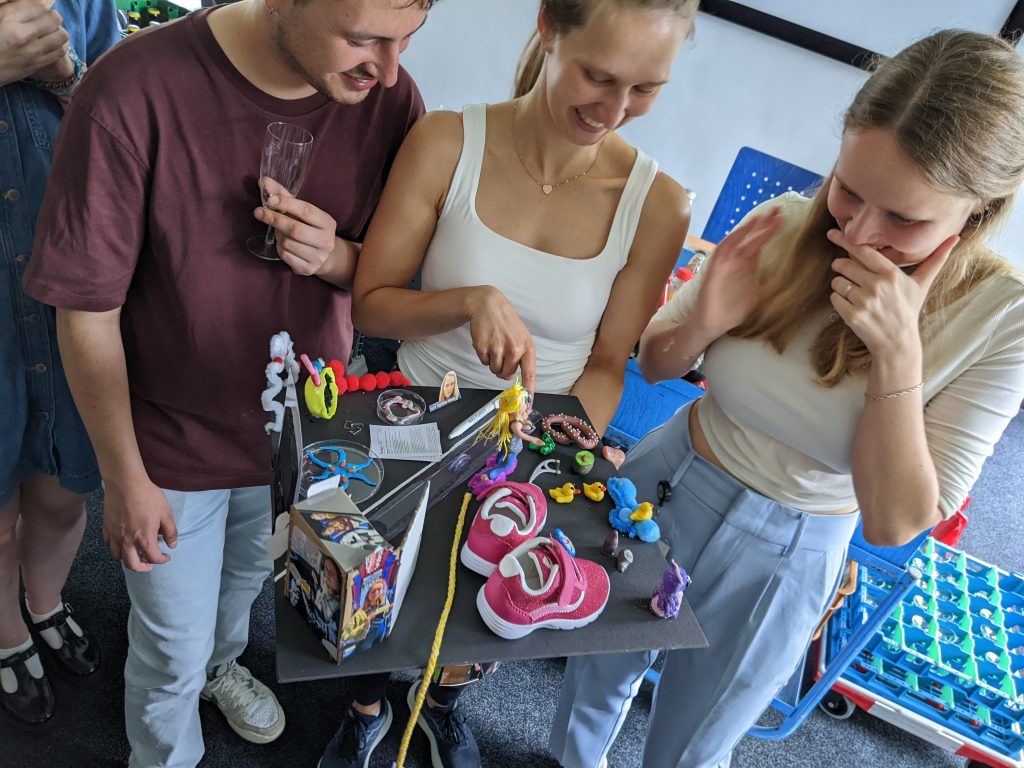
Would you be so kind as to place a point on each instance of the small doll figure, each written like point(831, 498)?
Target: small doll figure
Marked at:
point(668, 596)
point(508, 427)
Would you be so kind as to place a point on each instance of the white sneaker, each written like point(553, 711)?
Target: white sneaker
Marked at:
point(252, 709)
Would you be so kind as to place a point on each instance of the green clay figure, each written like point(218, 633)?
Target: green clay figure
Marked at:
point(546, 449)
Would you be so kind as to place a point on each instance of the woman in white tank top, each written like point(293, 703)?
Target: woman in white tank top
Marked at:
point(544, 241)
point(543, 238)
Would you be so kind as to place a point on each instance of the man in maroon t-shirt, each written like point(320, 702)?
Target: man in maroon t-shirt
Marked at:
point(164, 317)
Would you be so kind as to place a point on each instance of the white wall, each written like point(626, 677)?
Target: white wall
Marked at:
point(730, 88)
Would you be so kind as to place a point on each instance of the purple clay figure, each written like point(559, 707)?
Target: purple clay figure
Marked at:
point(668, 596)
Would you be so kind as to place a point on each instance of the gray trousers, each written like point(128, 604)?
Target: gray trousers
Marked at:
point(763, 574)
point(190, 615)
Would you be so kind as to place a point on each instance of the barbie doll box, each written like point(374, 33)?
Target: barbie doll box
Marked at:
point(344, 578)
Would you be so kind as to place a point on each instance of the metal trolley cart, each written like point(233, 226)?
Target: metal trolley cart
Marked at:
point(931, 640)
point(947, 664)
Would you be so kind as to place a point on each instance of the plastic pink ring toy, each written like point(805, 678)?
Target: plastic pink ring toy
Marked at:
point(392, 404)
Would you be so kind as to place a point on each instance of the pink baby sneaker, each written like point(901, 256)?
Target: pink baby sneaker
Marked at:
point(510, 514)
point(539, 584)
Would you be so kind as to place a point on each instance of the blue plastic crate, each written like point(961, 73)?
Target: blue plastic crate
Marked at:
point(952, 651)
point(646, 406)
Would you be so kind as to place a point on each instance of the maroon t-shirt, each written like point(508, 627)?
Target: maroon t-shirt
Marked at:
point(149, 206)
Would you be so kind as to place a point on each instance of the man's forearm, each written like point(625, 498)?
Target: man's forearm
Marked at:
point(92, 351)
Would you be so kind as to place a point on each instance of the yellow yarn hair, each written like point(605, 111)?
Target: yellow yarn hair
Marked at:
point(435, 648)
point(510, 403)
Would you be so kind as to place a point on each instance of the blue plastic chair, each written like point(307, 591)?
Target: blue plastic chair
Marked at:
point(754, 178)
point(645, 406)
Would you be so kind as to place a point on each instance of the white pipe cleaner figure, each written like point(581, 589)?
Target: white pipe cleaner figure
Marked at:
point(282, 361)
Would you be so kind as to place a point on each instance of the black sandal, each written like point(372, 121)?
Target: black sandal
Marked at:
point(33, 702)
point(79, 656)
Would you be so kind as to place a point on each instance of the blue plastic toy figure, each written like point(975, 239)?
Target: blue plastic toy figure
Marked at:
point(627, 516)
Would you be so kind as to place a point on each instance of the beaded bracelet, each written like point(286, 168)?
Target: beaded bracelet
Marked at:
point(568, 429)
point(898, 393)
point(66, 86)
point(389, 406)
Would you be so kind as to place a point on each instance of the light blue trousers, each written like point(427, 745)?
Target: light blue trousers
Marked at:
point(763, 574)
point(189, 615)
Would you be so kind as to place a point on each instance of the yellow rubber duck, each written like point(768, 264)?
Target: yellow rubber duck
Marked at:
point(644, 512)
point(564, 494)
point(595, 490)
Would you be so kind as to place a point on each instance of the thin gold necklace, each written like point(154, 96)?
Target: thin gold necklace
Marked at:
point(547, 189)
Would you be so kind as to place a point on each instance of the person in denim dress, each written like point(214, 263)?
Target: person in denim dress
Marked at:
point(46, 460)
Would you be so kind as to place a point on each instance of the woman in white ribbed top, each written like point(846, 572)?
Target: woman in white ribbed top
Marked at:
point(544, 239)
point(544, 242)
point(864, 350)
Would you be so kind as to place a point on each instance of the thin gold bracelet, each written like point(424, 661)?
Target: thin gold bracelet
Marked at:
point(898, 393)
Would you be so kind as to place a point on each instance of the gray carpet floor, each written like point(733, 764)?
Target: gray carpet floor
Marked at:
point(510, 714)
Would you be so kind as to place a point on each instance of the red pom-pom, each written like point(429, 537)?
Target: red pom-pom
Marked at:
point(396, 379)
point(342, 385)
point(339, 369)
point(352, 382)
point(383, 380)
point(368, 382)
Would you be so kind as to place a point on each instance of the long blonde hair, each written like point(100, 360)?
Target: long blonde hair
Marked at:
point(954, 101)
point(566, 15)
point(510, 402)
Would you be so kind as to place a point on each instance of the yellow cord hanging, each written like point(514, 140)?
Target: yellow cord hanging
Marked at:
point(435, 649)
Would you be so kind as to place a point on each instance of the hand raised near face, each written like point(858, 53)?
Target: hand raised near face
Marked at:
point(878, 300)
point(729, 288)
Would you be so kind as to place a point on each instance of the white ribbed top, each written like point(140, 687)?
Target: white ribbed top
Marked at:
point(465, 252)
point(782, 434)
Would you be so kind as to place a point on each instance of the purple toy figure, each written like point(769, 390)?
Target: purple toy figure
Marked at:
point(507, 427)
point(668, 596)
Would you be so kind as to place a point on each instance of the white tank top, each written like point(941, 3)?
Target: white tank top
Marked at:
point(465, 252)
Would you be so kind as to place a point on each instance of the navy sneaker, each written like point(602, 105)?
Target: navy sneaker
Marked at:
point(452, 744)
point(356, 738)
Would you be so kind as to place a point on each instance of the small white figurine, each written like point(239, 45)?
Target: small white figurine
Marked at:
point(282, 361)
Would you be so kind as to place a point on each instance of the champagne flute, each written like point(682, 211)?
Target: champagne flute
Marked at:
point(286, 150)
